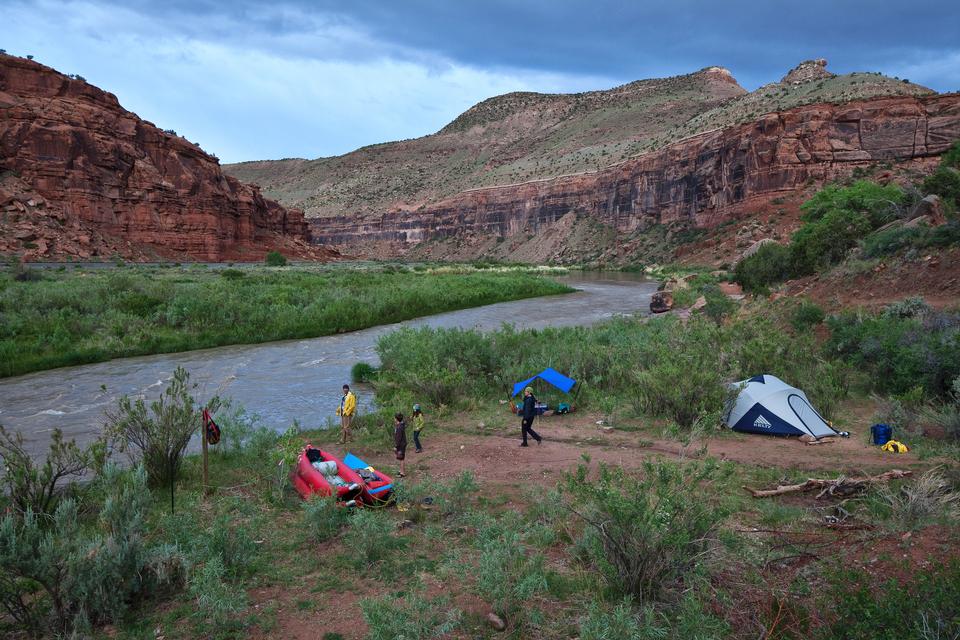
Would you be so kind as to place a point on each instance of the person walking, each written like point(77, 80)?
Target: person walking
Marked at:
point(400, 441)
point(348, 405)
point(417, 427)
point(529, 413)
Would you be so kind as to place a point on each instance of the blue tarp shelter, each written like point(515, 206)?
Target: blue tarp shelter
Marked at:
point(552, 376)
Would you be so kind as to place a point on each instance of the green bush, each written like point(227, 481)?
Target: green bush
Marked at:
point(826, 241)
point(807, 315)
point(88, 563)
point(37, 488)
point(925, 606)
point(900, 350)
point(217, 601)
point(363, 372)
point(719, 304)
point(621, 622)
point(944, 182)
point(411, 617)
point(373, 536)
point(879, 204)
point(232, 274)
point(508, 575)
point(275, 259)
point(951, 157)
point(160, 434)
point(834, 220)
point(645, 534)
point(771, 264)
point(891, 241)
point(323, 518)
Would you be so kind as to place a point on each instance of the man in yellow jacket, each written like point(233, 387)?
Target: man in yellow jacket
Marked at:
point(348, 405)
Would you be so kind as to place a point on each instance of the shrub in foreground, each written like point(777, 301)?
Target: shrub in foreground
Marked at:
point(67, 573)
point(37, 487)
point(162, 432)
point(644, 533)
point(926, 607)
point(412, 617)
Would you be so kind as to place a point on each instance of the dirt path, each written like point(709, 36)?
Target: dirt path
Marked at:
point(496, 458)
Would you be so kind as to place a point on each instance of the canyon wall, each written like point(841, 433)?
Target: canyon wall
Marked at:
point(702, 179)
point(99, 171)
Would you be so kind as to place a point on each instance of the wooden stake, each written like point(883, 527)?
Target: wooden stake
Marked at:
point(203, 438)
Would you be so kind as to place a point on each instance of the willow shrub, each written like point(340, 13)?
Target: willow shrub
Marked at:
point(75, 318)
point(902, 348)
point(662, 367)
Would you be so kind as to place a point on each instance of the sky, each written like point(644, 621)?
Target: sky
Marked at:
point(313, 78)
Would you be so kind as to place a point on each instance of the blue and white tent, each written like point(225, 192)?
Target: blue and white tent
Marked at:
point(767, 404)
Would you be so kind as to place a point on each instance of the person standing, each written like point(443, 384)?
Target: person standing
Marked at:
point(529, 413)
point(348, 405)
point(417, 427)
point(400, 441)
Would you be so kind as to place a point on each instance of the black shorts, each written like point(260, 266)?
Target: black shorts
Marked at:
point(401, 453)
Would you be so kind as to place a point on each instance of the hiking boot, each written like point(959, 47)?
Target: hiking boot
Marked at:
point(524, 444)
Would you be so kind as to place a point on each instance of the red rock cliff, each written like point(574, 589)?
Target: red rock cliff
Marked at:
point(703, 179)
point(101, 171)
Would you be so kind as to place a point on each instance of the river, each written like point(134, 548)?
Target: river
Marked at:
point(283, 381)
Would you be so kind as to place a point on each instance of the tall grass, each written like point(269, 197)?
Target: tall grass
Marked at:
point(75, 317)
point(662, 367)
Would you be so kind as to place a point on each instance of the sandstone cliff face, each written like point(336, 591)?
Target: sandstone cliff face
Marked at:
point(100, 169)
point(702, 180)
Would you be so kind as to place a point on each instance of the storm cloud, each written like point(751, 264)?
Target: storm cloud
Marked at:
point(315, 78)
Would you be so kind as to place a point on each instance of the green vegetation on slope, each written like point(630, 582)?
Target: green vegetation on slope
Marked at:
point(76, 317)
point(866, 214)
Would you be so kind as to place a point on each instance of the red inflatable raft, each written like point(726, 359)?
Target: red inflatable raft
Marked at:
point(377, 486)
point(332, 477)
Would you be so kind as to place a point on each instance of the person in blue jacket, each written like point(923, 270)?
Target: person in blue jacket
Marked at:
point(529, 413)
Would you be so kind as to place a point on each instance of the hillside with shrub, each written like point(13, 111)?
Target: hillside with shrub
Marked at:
point(865, 223)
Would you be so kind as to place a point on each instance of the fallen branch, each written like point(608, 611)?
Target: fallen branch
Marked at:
point(841, 485)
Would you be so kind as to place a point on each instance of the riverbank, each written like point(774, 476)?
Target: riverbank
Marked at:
point(484, 527)
point(57, 318)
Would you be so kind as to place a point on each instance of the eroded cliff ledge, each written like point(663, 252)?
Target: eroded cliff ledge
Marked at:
point(81, 177)
point(703, 179)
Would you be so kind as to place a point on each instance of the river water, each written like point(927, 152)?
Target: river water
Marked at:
point(282, 381)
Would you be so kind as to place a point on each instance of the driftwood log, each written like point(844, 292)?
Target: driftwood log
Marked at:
point(839, 486)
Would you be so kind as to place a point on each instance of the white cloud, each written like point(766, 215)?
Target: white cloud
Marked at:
point(318, 86)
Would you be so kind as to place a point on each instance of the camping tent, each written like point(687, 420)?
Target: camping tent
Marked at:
point(767, 404)
point(552, 376)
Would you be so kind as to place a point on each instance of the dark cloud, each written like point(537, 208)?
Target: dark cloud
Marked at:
point(758, 40)
point(321, 77)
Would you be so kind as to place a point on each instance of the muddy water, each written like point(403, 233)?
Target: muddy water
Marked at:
point(282, 381)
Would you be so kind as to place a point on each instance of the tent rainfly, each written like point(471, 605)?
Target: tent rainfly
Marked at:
point(552, 376)
point(767, 404)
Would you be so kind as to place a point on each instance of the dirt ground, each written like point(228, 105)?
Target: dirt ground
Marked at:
point(495, 457)
point(501, 466)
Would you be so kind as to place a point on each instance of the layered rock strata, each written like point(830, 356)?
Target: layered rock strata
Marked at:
point(700, 180)
point(99, 169)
